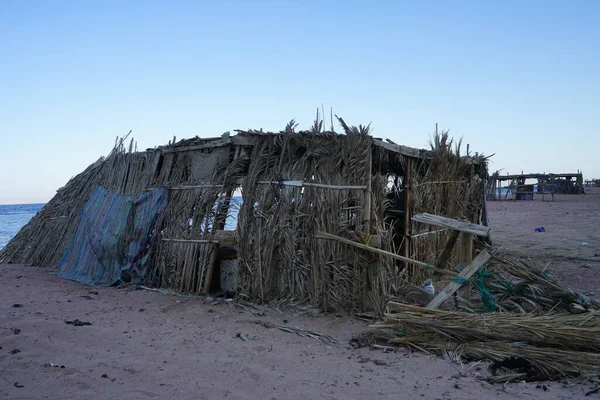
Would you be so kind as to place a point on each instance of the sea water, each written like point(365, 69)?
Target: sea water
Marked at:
point(13, 217)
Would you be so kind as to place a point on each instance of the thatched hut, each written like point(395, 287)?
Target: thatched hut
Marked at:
point(293, 185)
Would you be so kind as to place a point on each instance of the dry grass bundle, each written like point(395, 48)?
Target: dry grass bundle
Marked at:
point(549, 346)
point(567, 331)
point(522, 287)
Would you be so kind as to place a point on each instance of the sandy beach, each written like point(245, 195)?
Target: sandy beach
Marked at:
point(570, 244)
point(145, 344)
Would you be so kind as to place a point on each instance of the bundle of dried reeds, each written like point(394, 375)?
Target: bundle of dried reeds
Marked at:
point(524, 288)
point(571, 331)
point(550, 346)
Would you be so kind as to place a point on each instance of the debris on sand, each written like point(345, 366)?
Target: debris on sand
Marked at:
point(323, 338)
point(77, 322)
point(105, 376)
point(52, 365)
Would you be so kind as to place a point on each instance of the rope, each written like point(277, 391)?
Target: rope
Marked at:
point(487, 298)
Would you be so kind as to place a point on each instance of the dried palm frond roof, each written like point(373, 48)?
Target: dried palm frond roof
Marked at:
point(441, 144)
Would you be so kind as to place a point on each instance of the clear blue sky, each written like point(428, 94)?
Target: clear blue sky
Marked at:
point(517, 78)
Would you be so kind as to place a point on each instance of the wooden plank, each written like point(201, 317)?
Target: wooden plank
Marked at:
point(243, 140)
point(403, 150)
point(455, 224)
point(323, 235)
point(210, 144)
point(225, 237)
point(466, 273)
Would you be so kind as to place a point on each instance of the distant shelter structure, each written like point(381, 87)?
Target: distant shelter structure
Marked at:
point(518, 187)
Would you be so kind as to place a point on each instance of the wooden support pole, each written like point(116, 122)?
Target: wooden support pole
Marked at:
point(445, 256)
point(484, 215)
point(466, 248)
point(407, 204)
point(223, 210)
point(210, 268)
point(367, 207)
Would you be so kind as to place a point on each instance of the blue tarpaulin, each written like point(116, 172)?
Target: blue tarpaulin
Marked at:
point(112, 237)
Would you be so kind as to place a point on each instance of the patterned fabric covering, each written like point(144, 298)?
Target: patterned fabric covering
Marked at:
point(112, 239)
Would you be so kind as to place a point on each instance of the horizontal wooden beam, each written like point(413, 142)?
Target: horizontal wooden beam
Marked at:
point(462, 226)
point(210, 144)
point(402, 150)
point(311, 184)
point(189, 240)
point(191, 187)
point(225, 237)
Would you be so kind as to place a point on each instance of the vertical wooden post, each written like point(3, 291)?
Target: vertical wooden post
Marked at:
point(484, 215)
point(465, 257)
point(466, 248)
point(368, 195)
point(447, 251)
point(541, 181)
point(407, 208)
point(223, 209)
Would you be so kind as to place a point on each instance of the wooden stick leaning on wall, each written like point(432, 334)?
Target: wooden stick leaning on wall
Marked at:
point(328, 236)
